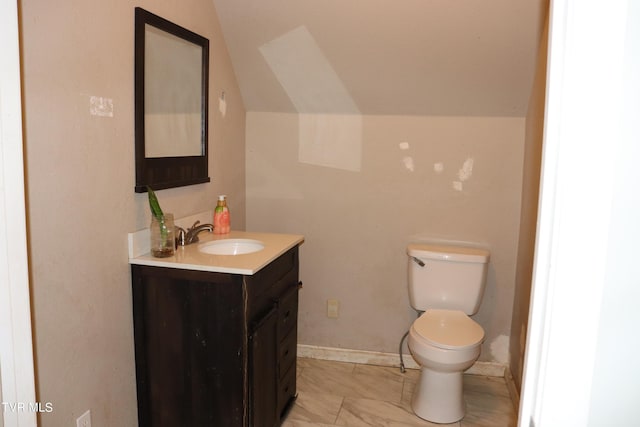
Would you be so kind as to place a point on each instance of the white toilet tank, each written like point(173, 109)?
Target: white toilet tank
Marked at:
point(446, 277)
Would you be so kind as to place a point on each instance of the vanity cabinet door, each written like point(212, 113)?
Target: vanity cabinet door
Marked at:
point(189, 348)
point(263, 376)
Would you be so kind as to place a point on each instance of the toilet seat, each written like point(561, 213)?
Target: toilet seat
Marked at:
point(448, 329)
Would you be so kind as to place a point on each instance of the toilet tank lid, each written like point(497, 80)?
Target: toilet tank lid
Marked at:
point(448, 253)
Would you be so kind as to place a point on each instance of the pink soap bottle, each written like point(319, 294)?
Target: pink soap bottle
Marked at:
point(221, 217)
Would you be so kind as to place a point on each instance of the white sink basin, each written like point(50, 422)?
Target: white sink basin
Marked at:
point(231, 247)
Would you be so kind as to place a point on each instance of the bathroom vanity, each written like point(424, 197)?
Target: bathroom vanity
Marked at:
point(216, 335)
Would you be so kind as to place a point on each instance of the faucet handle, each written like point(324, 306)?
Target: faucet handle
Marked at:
point(181, 236)
point(195, 224)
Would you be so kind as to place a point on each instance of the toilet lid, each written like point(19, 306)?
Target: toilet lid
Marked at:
point(449, 329)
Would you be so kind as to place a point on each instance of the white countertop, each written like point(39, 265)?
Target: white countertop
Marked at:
point(190, 258)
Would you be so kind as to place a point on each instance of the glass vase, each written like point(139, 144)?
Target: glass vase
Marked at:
point(162, 236)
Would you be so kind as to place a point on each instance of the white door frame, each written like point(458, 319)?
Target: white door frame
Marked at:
point(16, 348)
point(583, 110)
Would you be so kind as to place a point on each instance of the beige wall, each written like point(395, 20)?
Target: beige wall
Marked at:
point(358, 219)
point(81, 203)
point(529, 215)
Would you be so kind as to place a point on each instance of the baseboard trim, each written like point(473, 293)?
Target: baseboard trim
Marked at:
point(513, 390)
point(489, 369)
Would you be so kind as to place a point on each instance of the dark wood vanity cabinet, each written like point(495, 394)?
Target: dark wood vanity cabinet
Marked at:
point(216, 349)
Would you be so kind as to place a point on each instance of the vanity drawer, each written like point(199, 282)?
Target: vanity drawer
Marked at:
point(282, 269)
point(271, 283)
point(287, 311)
point(287, 353)
point(286, 390)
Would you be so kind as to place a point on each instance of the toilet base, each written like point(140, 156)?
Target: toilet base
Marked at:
point(438, 396)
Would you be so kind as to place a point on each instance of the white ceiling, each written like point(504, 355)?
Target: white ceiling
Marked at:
point(406, 57)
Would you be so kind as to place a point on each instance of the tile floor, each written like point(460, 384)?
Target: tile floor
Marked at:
point(353, 395)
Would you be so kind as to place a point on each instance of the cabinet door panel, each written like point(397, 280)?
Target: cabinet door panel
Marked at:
point(189, 350)
point(263, 378)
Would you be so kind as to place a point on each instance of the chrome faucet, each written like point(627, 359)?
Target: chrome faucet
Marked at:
point(191, 234)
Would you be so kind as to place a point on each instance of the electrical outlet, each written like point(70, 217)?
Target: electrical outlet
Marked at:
point(84, 420)
point(333, 306)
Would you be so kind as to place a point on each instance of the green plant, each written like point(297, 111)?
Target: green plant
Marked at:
point(157, 213)
point(156, 210)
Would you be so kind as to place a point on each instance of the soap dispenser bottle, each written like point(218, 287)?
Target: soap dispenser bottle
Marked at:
point(221, 217)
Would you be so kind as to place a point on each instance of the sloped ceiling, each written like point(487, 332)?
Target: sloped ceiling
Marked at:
point(396, 57)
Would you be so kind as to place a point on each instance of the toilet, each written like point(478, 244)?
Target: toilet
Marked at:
point(446, 283)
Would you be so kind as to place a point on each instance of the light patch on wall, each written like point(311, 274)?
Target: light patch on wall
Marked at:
point(438, 168)
point(408, 163)
point(407, 160)
point(500, 349)
point(222, 105)
point(331, 140)
point(464, 174)
point(306, 75)
point(314, 88)
point(466, 171)
point(101, 107)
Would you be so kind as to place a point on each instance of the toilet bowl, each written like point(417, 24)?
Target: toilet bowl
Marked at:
point(444, 343)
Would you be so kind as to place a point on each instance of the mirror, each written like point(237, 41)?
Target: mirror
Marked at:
point(171, 104)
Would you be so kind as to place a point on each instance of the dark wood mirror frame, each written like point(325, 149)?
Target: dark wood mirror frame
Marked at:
point(167, 172)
